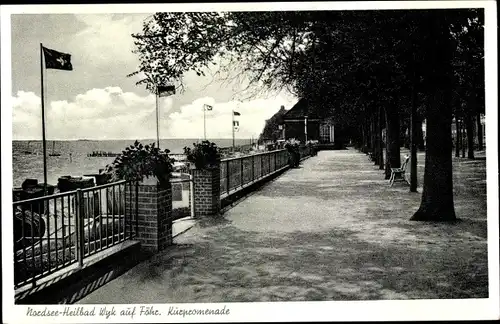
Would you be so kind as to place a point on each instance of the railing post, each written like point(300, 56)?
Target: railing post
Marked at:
point(155, 215)
point(191, 193)
point(275, 154)
point(227, 177)
point(79, 227)
point(207, 183)
point(241, 171)
point(253, 167)
point(269, 163)
point(136, 208)
point(261, 166)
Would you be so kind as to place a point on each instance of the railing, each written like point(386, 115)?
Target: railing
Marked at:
point(244, 149)
point(304, 151)
point(238, 172)
point(53, 232)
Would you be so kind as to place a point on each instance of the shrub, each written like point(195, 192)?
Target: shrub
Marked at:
point(139, 161)
point(293, 148)
point(204, 155)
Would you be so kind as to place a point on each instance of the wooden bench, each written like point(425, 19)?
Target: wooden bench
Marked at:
point(371, 155)
point(399, 173)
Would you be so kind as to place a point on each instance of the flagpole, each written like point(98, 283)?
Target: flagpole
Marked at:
point(44, 144)
point(157, 120)
point(204, 124)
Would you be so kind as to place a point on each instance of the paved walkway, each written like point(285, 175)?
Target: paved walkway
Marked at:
point(330, 230)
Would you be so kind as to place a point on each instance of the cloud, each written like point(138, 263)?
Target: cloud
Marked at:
point(188, 122)
point(111, 113)
point(97, 113)
point(107, 38)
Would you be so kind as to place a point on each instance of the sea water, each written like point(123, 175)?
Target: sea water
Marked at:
point(73, 159)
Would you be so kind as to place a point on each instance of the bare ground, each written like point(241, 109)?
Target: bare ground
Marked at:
point(330, 230)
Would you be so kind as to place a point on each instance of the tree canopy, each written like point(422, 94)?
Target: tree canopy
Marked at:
point(348, 64)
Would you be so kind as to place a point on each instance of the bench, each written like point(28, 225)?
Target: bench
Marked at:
point(371, 155)
point(399, 173)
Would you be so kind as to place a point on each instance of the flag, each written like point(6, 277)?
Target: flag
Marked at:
point(165, 90)
point(236, 123)
point(57, 60)
point(207, 107)
point(235, 113)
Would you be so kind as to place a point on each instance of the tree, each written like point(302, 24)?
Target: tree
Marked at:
point(437, 197)
point(469, 76)
point(271, 129)
point(351, 62)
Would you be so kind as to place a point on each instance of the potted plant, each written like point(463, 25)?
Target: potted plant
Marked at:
point(292, 146)
point(204, 155)
point(139, 162)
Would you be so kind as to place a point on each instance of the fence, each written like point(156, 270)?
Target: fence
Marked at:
point(240, 171)
point(305, 150)
point(244, 149)
point(56, 231)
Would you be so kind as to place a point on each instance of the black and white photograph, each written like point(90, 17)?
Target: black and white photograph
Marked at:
point(210, 162)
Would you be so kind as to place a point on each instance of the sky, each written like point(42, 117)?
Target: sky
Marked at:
point(98, 101)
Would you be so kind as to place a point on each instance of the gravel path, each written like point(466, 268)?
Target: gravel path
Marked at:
point(330, 230)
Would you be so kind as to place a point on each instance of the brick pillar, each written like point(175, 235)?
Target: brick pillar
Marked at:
point(154, 222)
point(206, 191)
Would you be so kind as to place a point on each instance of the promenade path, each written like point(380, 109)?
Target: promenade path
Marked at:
point(330, 230)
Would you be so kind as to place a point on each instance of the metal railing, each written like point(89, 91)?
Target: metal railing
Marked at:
point(304, 151)
point(53, 232)
point(237, 172)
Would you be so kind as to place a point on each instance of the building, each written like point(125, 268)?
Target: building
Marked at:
point(304, 124)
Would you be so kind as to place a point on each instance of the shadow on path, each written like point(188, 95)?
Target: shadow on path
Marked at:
point(332, 230)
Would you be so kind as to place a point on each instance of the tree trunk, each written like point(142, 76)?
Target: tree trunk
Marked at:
point(407, 137)
point(380, 142)
point(363, 139)
point(458, 137)
point(480, 143)
point(437, 196)
point(374, 138)
point(393, 157)
point(463, 138)
point(469, 124)
point(413, 137)
point(359, 137)
point(420, 134)
point(368, 137)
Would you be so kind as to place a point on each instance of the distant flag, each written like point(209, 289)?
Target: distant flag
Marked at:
point(235, 113)
point(57, 60)
point(165, 90)
point(207, 107)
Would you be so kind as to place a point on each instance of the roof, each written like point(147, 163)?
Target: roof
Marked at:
point(299, 111)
